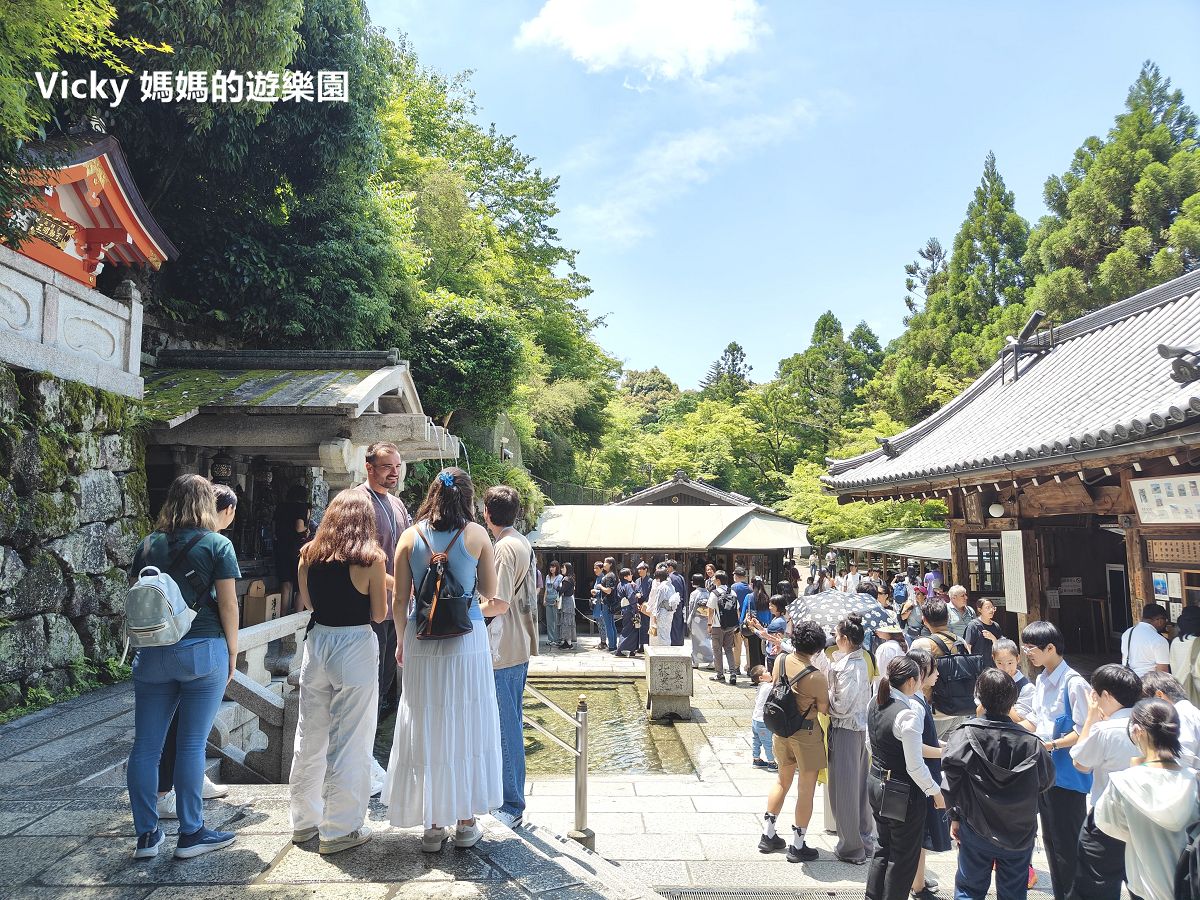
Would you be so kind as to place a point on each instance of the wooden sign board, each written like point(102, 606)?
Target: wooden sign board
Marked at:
point(1182, 552)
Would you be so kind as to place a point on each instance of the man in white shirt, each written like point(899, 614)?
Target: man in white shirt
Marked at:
point(852, 579)
point(1104, 747)
point(1143, 648)
point(1061, 809)
point(1164, 686)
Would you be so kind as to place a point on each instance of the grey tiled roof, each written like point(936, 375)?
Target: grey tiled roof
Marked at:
point(1098, 382)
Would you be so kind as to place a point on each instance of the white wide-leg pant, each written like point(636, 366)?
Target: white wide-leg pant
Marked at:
point(339, 704)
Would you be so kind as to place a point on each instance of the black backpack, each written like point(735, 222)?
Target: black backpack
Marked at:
point(958, 670)
point(443, 606)
point(728, 609)
point(781, 713)
point(1187, 870)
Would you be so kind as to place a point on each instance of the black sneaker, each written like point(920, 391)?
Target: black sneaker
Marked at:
point(717, 678)
point(926, 893)
point(771, 844)
point(804, 854)
point(732, 679)
point(759, 763)
point(149, 843)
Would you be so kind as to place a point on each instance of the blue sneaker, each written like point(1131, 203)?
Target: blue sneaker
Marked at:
point(148, 844)
point(203, 841)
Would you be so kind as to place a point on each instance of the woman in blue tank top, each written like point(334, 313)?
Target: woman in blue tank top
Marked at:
point(445, 763)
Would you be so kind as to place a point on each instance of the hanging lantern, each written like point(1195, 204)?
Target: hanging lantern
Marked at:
point(221, 468)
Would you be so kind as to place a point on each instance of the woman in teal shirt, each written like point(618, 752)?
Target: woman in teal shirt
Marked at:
point(190, 675)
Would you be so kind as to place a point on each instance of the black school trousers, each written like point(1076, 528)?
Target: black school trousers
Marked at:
point(898, 850)
point(1062, 812)
point(1100, 867)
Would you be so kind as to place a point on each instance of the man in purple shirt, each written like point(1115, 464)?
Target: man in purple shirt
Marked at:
point(391, 519)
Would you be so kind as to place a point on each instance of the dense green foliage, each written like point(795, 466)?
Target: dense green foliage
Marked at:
point(391, 220)
point(397, 219)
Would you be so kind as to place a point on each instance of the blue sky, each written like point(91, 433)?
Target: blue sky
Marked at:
point(730, 169)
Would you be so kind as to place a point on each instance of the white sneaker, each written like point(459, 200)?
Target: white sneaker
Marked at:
point(508, 820)
point(433, 839)
point(212, 791)
point(467, 835)
point(166, 806)
point(337, 845)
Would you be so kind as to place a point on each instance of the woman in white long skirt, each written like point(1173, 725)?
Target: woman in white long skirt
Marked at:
point(445, 764)
point(664, 600)
point(341, 579)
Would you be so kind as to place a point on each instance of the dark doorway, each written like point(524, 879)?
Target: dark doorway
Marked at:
point(1118, 598)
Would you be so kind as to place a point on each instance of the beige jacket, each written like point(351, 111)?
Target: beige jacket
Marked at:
point(514, 635)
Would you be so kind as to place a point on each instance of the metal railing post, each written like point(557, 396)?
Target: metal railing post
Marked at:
point(581, 761)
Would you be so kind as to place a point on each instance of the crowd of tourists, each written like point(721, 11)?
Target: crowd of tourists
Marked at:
point(450, 601)
point(929, 737)
point(923, 727)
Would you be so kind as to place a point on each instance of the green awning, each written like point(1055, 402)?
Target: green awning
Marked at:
point(914, 543)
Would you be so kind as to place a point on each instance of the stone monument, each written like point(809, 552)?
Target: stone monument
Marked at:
point(669, 682)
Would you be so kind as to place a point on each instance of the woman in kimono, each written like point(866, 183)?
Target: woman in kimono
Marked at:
point(697, 624)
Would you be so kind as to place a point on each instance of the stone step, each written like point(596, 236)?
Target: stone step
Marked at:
point(601, 877)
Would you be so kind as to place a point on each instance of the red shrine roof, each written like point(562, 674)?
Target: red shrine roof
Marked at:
point(90, 213)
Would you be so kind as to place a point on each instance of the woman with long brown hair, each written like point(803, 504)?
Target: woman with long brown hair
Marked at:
point(189, 675)
point(342, 579)
point(446, 764)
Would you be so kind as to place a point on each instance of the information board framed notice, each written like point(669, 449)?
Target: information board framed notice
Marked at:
point(1168, 500)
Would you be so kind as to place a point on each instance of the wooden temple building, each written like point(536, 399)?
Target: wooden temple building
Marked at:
point(683, 519)
point(1071, 468)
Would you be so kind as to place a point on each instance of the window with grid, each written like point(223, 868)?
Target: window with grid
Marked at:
point(985, 570)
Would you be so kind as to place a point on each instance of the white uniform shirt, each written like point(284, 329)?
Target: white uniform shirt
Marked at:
point(1105, 750)
point(908, 729)
point(1189, 733)
point(1047, 699)
point(1143, 648)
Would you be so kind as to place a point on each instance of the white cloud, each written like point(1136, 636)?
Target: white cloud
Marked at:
point(659, 38)
point(674, 164)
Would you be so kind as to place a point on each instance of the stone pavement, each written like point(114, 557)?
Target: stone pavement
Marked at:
point(66, 834)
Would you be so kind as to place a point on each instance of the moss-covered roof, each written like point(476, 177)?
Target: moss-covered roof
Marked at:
point(171, 393)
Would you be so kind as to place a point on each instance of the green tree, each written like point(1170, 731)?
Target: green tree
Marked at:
point(922, 278)
point(1126, 215)
point(728, 376)
point(648, 391)
point(471, 358)
point(946, 343)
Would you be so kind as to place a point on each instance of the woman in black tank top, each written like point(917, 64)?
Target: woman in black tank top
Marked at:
point(342, 580)
point(333, 597)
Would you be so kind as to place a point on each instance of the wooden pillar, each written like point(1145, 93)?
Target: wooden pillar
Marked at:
point(1137, 572)
point(958, 554)
point(1141, 586)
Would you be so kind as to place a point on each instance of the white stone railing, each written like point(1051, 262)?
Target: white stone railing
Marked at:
point(52, 323)
point(257, 728)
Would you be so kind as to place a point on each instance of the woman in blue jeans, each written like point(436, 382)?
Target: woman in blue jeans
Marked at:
point(189, 676)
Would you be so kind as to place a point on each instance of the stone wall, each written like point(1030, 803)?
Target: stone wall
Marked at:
point(72, 510)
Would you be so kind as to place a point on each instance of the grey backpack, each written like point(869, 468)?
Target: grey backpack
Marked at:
point(156, 615)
